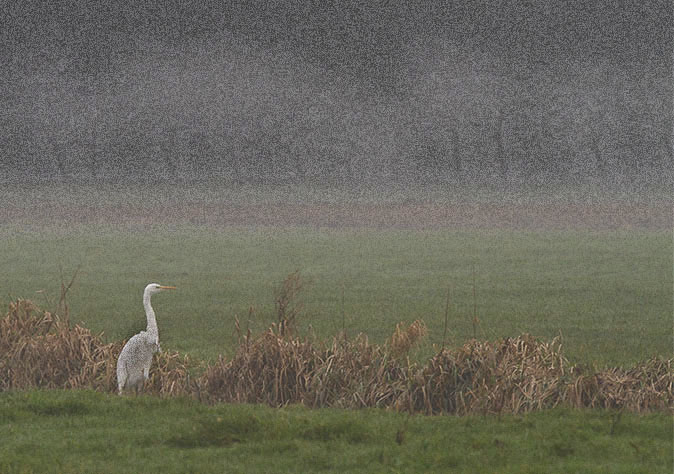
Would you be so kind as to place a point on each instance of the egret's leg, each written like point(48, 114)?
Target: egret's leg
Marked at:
point(122, 377)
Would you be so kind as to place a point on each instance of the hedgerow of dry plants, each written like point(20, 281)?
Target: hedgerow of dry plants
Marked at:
point(512, 375)
point(279, 370)
point(39, 349)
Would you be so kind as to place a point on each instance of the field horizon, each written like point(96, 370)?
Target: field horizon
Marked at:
point(443, 207)
point(593, 269)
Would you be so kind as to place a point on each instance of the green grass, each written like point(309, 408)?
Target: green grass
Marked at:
point(609, 294)
point(71, 431)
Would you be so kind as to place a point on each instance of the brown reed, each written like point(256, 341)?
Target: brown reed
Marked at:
point(511, 375)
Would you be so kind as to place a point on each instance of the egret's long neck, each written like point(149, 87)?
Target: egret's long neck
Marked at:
point(149, 312)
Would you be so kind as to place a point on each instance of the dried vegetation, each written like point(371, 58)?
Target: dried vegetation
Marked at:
point(513, 375)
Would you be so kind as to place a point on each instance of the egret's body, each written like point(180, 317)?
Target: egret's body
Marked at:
point(133, 364)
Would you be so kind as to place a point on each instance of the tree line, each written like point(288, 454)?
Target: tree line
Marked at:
point(236, 108)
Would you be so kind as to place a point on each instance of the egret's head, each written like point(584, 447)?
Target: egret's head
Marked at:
point(153, 288)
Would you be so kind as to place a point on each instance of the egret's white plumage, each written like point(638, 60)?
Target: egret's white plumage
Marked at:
point(133, 364)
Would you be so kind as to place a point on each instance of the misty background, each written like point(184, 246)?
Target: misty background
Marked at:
point(486, 92)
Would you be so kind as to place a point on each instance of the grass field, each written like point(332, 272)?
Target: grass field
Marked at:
point(608, 293)
point(67, 432)
point(599, 275)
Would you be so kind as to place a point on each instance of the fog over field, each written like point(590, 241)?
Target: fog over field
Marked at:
point(367, 210)
point(502, 95)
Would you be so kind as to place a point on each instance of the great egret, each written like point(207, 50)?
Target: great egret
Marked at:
point(133, 364)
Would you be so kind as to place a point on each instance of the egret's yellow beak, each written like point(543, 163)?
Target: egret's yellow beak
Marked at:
point(167, 287)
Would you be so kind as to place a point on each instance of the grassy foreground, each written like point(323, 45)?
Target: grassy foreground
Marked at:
point(609, 294)
point(82, 431)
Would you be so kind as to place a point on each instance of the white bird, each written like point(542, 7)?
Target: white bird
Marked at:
point(133, 364)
